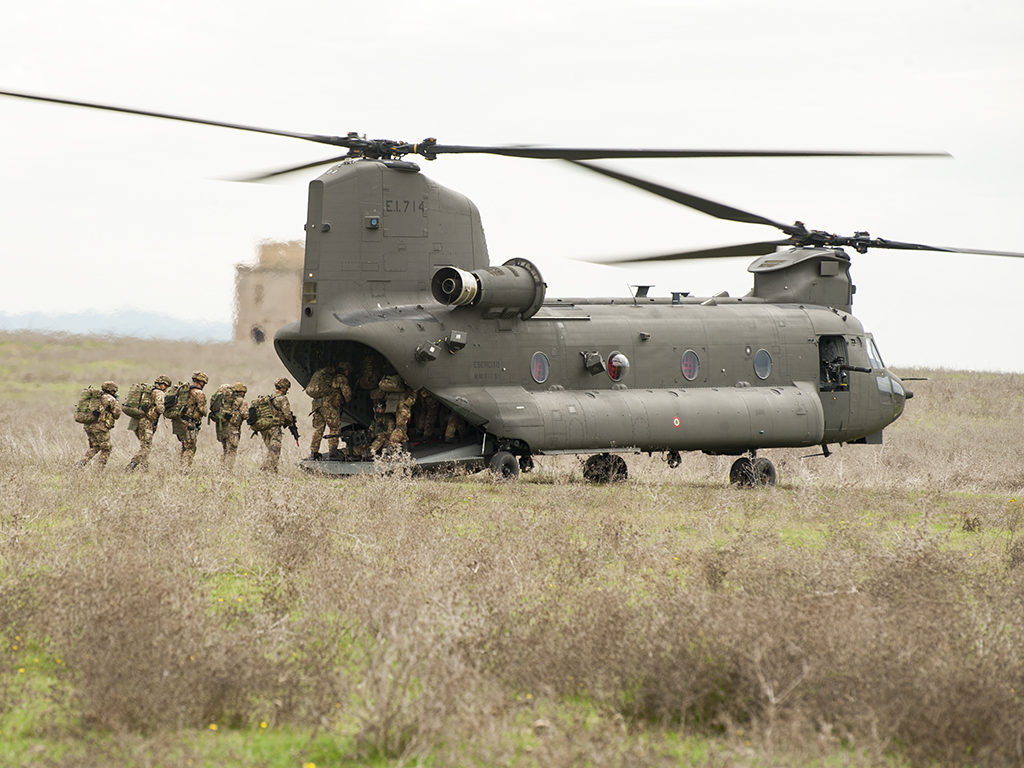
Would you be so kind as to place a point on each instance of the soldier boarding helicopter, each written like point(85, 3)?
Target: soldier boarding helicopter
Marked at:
point(397, 282)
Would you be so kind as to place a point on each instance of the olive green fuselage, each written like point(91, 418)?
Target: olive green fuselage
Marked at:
point(725, 375)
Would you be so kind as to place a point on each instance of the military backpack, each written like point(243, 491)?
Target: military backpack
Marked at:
point(138, 401)
point(90, 405)
point(263, 414)
point(220, 404)
point(175, 400)
point(320, 385)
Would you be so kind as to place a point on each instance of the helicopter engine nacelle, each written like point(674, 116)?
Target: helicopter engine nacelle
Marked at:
point(514, 288)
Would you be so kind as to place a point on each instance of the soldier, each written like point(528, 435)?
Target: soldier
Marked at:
point(426, 425)
point(284, 418)
point(229, 427)
point(398, 399)
point(370, 370)
point(98, 432)
point(145, 427)
point(407, 398)
point(186, 427)
point(333, 382)
point(381, 428)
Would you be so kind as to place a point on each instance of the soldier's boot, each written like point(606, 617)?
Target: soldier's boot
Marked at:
point(335, 455)
point(132, 466)
point(316, 455)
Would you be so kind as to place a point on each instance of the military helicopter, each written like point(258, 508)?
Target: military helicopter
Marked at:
point(397, 282)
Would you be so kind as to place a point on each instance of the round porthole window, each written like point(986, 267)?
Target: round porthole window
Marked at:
point(762, 364)
point(539, 367)
point(618, 364)
point(690, 365)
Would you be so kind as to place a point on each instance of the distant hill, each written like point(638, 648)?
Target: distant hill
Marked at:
point(128, 322)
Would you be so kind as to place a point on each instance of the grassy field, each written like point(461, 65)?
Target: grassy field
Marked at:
point(866, 611)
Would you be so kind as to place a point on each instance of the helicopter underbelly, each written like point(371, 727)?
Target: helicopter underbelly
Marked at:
point(716, 419)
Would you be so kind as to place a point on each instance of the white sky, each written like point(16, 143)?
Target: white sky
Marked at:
point(102, 211)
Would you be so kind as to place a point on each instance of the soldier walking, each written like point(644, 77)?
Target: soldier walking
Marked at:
point(229, 423)
point(190, 419)
point(283, 417)
point(98, 431)
point(329, 387)
point(144, 426)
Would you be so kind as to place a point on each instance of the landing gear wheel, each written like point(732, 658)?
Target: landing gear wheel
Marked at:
point(526, 463)
point(605, 468)
point(673, 459)
point(755, 473)
point(741, 472)
point(763, 472)
point(504, 465)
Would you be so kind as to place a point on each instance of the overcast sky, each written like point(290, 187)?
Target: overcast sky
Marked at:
point(102, 211)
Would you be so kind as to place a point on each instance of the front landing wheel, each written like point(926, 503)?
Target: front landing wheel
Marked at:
point(605, 468)
point(755, 473)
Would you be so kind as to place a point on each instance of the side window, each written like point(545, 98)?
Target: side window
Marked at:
point(539, 367)
point(833, 360)
point(690, 365)
point(762, 364)
point(618, 364)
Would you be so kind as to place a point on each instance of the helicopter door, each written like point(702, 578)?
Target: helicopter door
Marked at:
point(834, 384)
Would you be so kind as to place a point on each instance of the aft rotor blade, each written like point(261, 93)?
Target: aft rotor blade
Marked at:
point(582, 153)
point(721, 252)
point(342, 141)
point(283, 171)
point(702, 204)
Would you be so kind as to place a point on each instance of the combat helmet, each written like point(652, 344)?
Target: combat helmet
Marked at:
point(164, 380)
point(109, 387)
point(239, 388)
point(200, 377)
point(283, 384)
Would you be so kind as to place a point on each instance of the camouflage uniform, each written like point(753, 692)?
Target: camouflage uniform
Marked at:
point(456, 427)
point(426, 425)
point(230, 428)
point(403, 412)
point(99, 431)
point(370, 370)
point(186, 429)
point(381, 428)
point(272, 435)
point(145, 427)
point(327, 410)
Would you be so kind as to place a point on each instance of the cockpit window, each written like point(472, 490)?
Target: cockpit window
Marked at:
point(873, 356)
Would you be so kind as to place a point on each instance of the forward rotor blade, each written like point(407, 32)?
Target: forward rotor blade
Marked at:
point(702, 204)
point(284, 171)
point(722, 252)
point(896, 245)
point(580, 153)
point(342, 141)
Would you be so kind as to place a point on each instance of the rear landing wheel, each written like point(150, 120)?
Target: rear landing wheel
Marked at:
point(526, 463)
point(764, 472)
point(504, 465)
point(605, 468)
point(742, 472)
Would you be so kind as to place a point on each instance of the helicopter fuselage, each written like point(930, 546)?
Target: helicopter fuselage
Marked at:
point(397, 265)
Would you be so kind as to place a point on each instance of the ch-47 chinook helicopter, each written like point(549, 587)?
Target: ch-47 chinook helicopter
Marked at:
point(397, 281)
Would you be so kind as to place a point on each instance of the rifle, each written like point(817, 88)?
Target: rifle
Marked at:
point(293, 427)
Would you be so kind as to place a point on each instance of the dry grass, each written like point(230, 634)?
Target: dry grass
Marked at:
point(866, 611)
